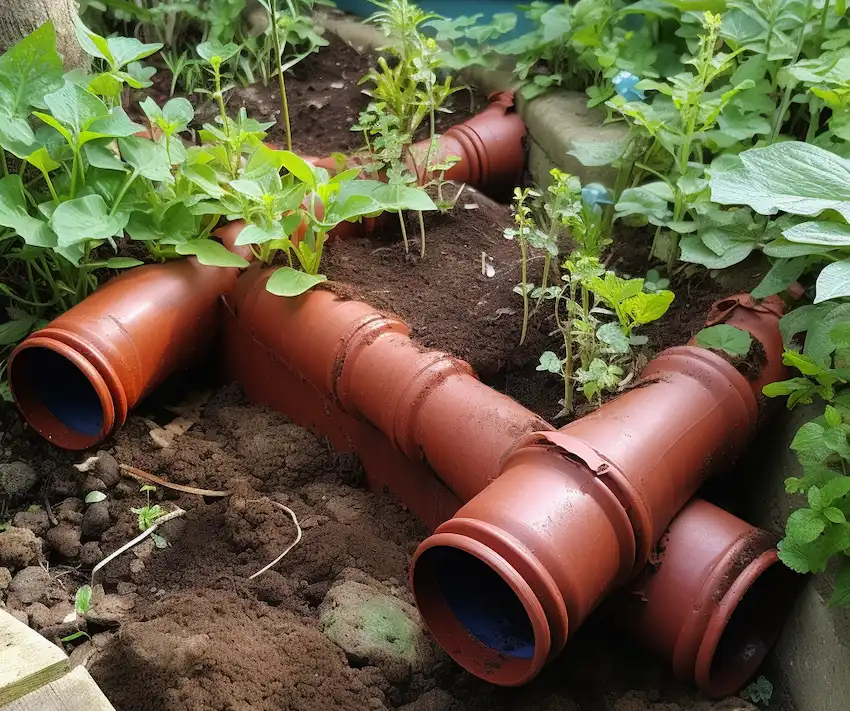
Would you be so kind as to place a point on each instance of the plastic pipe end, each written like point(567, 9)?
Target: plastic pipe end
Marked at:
point(745, 625)
point(61, 394)
point(480, 609)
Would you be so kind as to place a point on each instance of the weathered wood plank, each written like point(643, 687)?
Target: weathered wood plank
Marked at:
point(76, 691)
point(27, 660)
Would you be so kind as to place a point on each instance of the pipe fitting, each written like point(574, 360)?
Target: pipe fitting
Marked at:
point(547, 521)
point(714, 600)
point(75, 380)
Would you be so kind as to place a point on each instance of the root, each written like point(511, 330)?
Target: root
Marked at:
point(138, 539)
point(290, 546)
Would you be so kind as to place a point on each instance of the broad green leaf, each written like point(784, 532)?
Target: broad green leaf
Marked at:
point(255, 234)
point(122, 263)
point(214, 50)
point(85, 218)
point(693, 250)
point(804, 526)
point(645, 308)
point(291, 282)
point(82, 600)
point(94, 497)
point(91, 42)
point(16, 330)
point(147, 158)
point(794, 556)
point(642, 201)
point(726, 338)
point(178, 111)
point(784, 249)
point(29, 70)
point(556, 22)
point(794, 177)
point(100, 155)
point(56, 125)
point(75, 107)
point(611, 334)
point(597, 153)
point(210, 253)
point(128, 49)
point(840, 335)
point(16, 136)
point(14, 214)
point(248, 188)
point(41, 159)
point(116, 125)
point(550, 363)
point(204, 177)
point(401, 197)
point(833, 281)
point(829, 234)
point(783, 273)
point(296, 165)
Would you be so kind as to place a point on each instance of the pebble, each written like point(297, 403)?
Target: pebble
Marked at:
point(31, 585)
point(19, 547)
point(16, 479)
point(36, 521)
point(95, 521)
point(64, 540)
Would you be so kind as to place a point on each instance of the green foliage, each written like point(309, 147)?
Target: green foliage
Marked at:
point(82, 600)
point(723, 337)
point(147, 514)
point(759, 692)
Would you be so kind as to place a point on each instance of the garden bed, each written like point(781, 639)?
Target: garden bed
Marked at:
point(184, 628)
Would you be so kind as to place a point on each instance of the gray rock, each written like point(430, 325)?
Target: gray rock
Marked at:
point(20, 615)
point(92, 483)
point(70, 504)
point(5, 579)
point(107, 469)
point(95, 521)
point(72, 518)
point(90, 554)
point(376, 629)
point(64, 540)
point(51, 621)
point(16, 479)
point(434, 700)
point(19, 547)
point(39, 615)
point(36, 521)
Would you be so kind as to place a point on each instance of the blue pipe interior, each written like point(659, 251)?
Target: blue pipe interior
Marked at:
point(483, 602)
point(63, 389)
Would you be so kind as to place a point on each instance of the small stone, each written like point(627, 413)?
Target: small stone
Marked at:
point(70, 504)
point(125, 588)
point(20, 615)
point(81, 654)
point(36, 521)
point(137, 566)
point(72, 518)
point(123, 490)
point(19, 547)
point(92, 483)
point(90, 554)
point(31, 585)
point(110, 610)
point(107, 469)
point(5, 579)
point(39, 615)
point(376, 629)
point(16, 479)
point(95, 521)
point(64, 540)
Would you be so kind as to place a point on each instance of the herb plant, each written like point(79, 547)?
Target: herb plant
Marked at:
point(147, 514)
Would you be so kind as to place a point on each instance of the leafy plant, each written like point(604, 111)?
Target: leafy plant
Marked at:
point(147, 514)
point(733, 341)
point(82, 599)
point(759, 692)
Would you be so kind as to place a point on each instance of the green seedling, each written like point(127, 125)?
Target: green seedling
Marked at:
point(147, 514)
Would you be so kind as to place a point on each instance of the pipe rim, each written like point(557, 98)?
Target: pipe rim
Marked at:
point(484, 662)
point(718, 622)
point(41, 419)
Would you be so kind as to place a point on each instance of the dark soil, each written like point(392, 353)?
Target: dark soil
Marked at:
point(325, 100)
point(447, 300)
point(198, 634)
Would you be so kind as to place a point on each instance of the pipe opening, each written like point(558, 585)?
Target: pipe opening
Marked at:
point(481, 600)
point(43, 377)
point(752, 627)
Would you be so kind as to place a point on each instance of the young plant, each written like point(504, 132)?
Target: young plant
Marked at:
point(147, 514)
point(121, 56)
point(274, 27)
point(523, 233)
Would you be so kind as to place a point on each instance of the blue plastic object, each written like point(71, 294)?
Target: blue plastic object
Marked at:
point(65, 391)
point(484, 603)
point(452, 9)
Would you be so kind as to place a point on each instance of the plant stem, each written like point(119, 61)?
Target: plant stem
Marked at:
point(3, 163)
point(786, 94)
point(122, 192)
point(74, 171)
point(403, 232)
point(422, 233)
point(524, 249)
point(277, 50)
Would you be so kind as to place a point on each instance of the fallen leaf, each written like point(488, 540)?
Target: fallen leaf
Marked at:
point(86, 465)
point(162, 438)
point(180, 425)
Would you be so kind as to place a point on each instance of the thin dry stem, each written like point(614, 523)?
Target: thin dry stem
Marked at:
point(152, 478)
point(290, 546)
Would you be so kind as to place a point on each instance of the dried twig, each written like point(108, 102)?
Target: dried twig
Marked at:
point(290, 546)
point(138, 539)
point(152, 478)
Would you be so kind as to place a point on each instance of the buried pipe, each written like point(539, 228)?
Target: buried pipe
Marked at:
point(75, 380)
point(554, 521)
